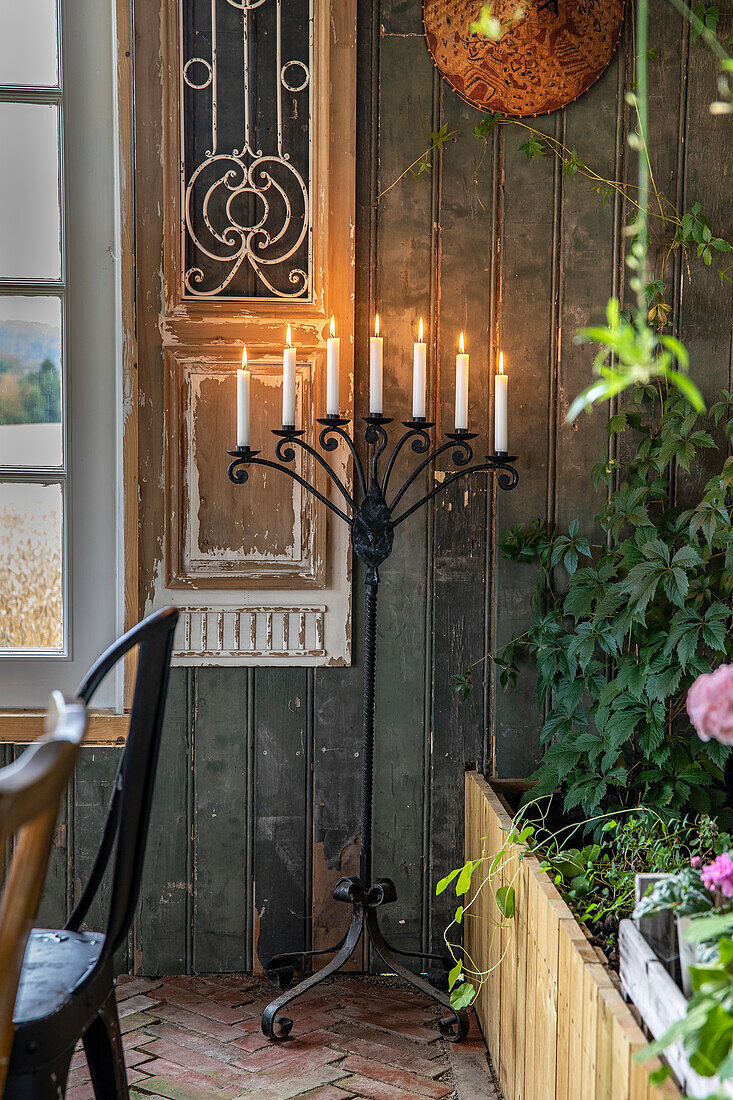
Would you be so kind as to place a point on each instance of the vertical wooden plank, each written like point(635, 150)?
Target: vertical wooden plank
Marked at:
point(594, 978)
point(531, 1057)
point(705, 302)
point(281, 830)
point(564, 1087)
point(492, 939)
point(610, 1006)
point(546, 995)
point(162, 933)
point(463, 300)
point(95, 775)
point(337, 756)
point(53, 910)
point(337, 749)
point(588, 279)
point(527, 292)
point(220, 826)
point(512, 977)
point(520, 1007)
point(404, 227)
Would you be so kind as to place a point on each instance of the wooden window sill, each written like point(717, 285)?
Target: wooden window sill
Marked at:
point(23, 726)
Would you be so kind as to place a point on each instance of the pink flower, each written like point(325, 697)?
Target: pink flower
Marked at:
point(710, 705)
point(695, 861)
point(718, 875)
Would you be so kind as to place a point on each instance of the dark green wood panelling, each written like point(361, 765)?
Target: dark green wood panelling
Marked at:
point(258, 798)
point(281, 832)
point(220, 812)
point(527, 322)
point(163, 923)
point(403, 280)
point(468, 187)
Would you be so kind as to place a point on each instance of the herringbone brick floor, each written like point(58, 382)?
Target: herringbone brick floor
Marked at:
point(200, 1039)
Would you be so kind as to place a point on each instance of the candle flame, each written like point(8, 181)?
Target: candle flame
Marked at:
point(244, 358)
point(333, 325)
point(289, 338)
point(501, 363)
point(376, 324)
point(419, 331)
point(461, 347)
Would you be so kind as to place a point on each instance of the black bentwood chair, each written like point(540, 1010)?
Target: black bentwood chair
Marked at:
point(66, 989)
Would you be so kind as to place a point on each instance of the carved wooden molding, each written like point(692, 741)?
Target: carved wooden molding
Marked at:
point(225, 634)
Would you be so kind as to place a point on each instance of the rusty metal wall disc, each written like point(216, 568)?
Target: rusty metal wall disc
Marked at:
point(546, 57)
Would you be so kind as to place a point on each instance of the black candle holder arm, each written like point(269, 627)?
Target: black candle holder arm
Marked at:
point(243, 457)
point(507, 478)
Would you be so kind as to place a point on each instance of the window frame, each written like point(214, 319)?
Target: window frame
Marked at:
point(109, 724)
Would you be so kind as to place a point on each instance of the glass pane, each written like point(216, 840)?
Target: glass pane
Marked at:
point(28, 42)
point(30, 381)
point(30, 220)
point(31, 584)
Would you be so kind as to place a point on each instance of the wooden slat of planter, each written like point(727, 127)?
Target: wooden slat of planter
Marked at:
point(555, 1024)
point(491, 941)
point(509, 973)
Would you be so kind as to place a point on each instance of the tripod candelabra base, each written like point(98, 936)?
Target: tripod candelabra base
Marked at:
point(364, 922)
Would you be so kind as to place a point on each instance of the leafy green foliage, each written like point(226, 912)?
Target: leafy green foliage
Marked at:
point(632, 353)
point(437, 138)
point(707, 18)
point(533, 147)
point(597, 878)
point(488, 124)
point(621, 629)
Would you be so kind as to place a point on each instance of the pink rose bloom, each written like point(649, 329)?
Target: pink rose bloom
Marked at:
point(718, 875)
point(710, 705)
point(695, 861)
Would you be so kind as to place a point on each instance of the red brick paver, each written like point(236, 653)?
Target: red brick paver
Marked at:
point(355, 1038)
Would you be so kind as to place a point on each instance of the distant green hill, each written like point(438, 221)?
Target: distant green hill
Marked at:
point(26, 344)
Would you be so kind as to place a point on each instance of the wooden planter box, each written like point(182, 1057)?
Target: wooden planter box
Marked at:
point(555, 1024)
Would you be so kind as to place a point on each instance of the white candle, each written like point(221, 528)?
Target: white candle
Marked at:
point(243, 380)
point(500, 407)
point(461, 388)
point(333, 351)
point(289, 383)
point(419, 376)
point(376, 368)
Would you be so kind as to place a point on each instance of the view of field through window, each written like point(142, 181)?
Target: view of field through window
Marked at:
point(31, 578)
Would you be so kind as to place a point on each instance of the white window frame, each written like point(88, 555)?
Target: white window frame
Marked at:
point(92, 340)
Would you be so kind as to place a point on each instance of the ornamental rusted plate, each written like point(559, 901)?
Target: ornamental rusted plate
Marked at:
point(549, 52)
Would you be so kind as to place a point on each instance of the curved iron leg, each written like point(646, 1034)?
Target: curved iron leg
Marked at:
point(279, 1027)
point(453, 1027)
point(283, 958)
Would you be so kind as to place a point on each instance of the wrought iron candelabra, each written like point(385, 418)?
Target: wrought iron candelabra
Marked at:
point(372, 512)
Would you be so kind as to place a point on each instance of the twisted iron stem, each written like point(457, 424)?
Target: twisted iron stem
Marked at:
point(367, 765)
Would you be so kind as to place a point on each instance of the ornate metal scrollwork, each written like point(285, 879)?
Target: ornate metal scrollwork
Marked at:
point(246, 72)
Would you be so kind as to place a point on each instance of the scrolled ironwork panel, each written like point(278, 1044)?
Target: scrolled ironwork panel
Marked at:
point(246, 122)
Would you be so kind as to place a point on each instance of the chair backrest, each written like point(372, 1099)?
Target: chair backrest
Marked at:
point(30, 792)
point(126, 828)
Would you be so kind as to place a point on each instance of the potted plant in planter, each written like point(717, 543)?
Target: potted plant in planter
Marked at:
point(687, 894)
